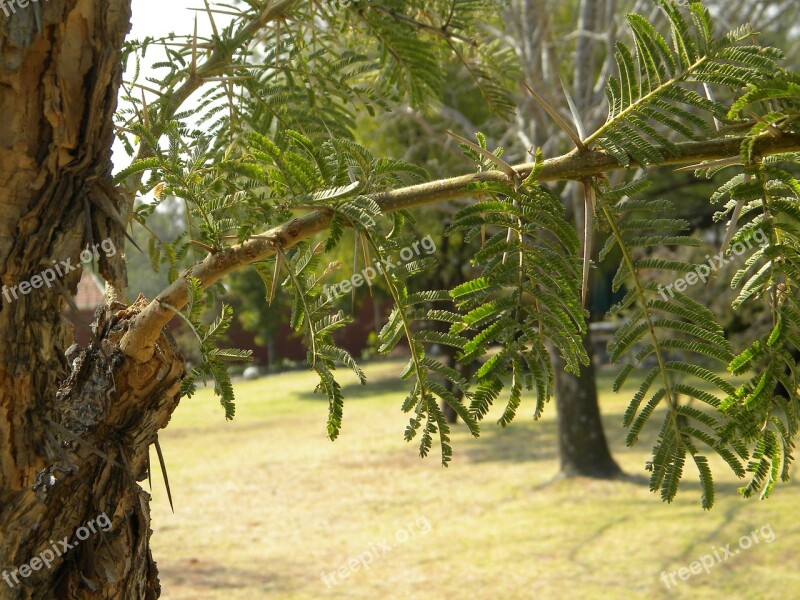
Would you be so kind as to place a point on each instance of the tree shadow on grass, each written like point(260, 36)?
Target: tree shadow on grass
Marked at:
point(519, 442)
point(525, 439)
point(689, 552)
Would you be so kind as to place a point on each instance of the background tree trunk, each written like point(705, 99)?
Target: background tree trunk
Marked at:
point(75, 426)
point(582, 446)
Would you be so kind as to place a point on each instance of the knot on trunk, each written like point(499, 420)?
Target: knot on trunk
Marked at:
point(111, 405)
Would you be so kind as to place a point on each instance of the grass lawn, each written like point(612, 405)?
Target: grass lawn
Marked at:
point(265, 504)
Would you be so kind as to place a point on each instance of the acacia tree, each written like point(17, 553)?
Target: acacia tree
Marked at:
point(277, 90)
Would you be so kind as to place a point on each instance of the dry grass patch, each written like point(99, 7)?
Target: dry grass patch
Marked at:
point(266, 504)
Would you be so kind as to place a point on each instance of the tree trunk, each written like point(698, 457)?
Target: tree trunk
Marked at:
point(582, 445)
point(75, 425)
point(581, 441)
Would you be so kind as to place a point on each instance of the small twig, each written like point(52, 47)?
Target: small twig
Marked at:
point(588, 213)
point(576, 117)
point(205, 247)
point(772, 129)
point(722, 162)
point(102, 201)
point(275, 275)
point(442, 31)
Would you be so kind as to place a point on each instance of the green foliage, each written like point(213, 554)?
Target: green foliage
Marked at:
point(311, 317)
point(751, 414)
point(418, 307)
point(652, 96)
point(214, 359)
point(524, 297)
point(678, 334)
point(757, 414)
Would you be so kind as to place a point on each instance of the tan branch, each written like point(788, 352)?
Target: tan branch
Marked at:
point(140, 339)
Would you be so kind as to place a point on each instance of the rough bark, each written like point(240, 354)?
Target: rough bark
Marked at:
point(75, 425)
point(93, 444)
